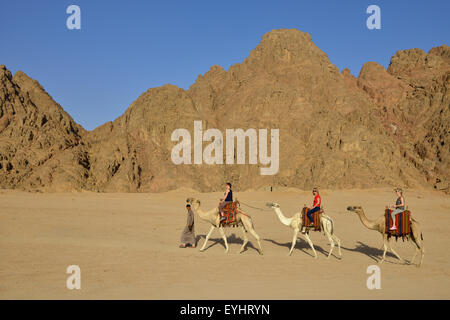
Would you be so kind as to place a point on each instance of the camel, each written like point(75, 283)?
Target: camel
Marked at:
point(296, 223)
point(213, 217)
point(380, 226)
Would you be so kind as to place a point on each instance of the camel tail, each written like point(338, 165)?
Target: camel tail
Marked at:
point(414, 220)
point(332, 223)
point(251, 222)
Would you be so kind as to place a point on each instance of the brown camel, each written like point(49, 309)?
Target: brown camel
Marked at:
point(380, 226)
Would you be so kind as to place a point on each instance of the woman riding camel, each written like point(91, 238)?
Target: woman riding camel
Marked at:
point(398, 207)
point(227, 198)
point(316, 206)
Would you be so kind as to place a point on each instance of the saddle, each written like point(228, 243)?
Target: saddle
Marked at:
point(307, 222)
point(402, 223)
point(230, 211)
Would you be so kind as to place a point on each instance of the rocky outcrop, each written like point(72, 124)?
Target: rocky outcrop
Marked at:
point(41, 147)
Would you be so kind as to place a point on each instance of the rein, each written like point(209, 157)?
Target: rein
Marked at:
point(254, 207)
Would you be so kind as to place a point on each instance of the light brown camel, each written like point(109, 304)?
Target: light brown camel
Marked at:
point(380, 226)
point(213, 217)
point(296, 223)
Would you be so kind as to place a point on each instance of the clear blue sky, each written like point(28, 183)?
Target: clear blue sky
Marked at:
point(126, 47)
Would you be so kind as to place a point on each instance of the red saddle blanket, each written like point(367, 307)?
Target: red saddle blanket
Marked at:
point(230, 213)
point(307, 222)
point(402, 223)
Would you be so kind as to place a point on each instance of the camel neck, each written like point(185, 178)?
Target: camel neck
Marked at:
point(208, 216)
point(283, 219)
point(201, 213)
point(366, 222)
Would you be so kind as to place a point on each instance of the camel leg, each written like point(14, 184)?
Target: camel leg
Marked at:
point(417, 239)
point(338, 241)
point(384, 248)
point(331, 244)
point(258, 239)
point(207, 237)
point(310, 244)
point(248, 225)
point(328, 230)
point(294, 240)
point(393, 251)
point(422, 252)
point(415, 254)
point(222, 233)
point(245, 239)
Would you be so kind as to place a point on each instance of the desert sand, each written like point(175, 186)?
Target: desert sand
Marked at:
point(126, 245)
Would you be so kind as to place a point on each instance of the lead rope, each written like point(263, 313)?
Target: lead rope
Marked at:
point(254, 207)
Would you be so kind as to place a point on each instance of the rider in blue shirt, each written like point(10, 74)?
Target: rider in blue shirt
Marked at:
point(227, 198)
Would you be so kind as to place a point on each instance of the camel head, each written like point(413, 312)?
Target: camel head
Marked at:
point(195, 203)
point(355, 209)
point(272, 205)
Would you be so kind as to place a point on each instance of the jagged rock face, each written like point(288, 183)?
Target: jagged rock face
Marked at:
point(386, 127)
point(414, 98)
point(41, 146)
point(427, 107)
point(133, 153)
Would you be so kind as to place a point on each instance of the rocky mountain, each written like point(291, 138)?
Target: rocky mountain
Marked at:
point(414, 100)
point(384, 128)
point(41, 147)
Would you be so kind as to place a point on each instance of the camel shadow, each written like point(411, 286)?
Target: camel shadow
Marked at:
point(303, 246)
point(231, 239)
point(371, 252)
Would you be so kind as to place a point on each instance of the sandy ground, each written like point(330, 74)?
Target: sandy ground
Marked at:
point(127, 248)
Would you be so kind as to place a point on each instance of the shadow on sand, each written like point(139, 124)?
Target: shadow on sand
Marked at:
point(303, 246)
point(374, 253)
point(231, 239)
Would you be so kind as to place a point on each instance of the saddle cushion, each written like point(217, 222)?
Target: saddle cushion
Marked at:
point(402, 223)
point(316, 215)
point(230, 213)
